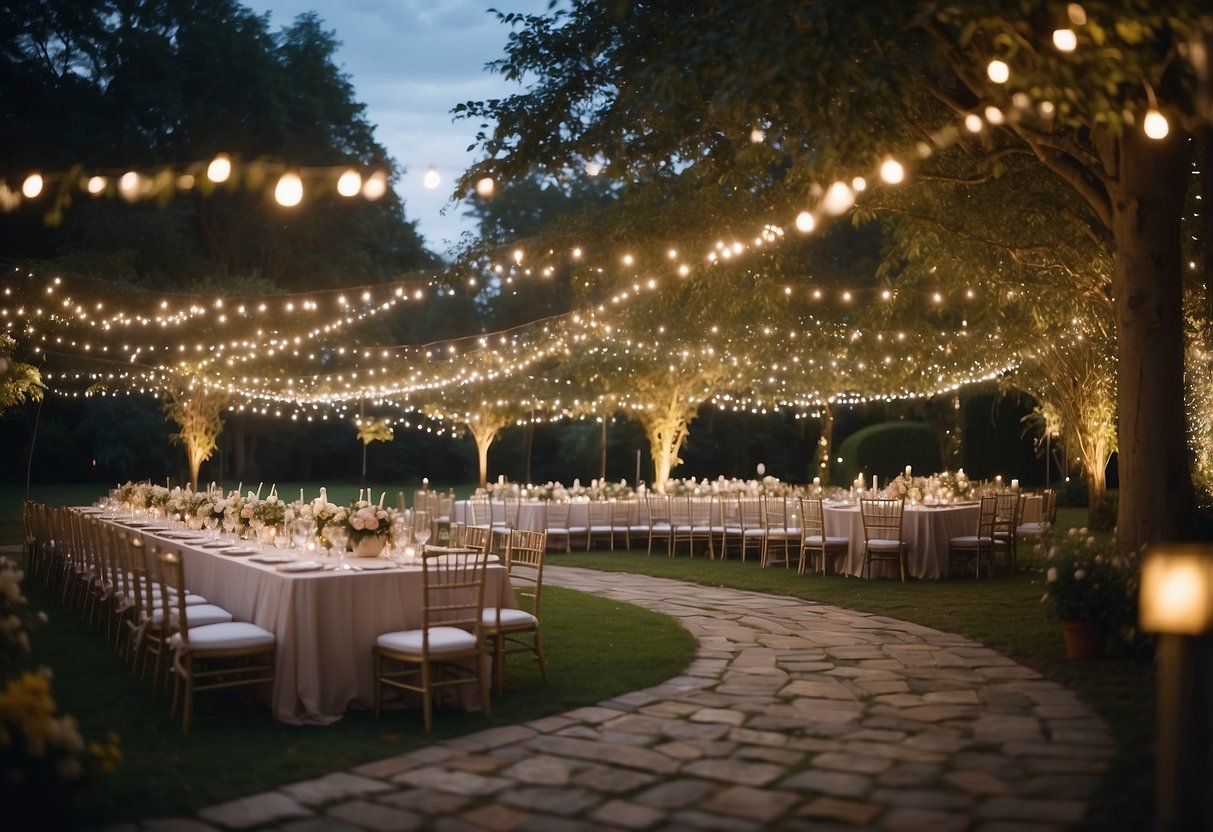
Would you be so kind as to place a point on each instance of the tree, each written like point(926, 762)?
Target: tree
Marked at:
point(19, 381)
point(197, 409)
point(677, 90)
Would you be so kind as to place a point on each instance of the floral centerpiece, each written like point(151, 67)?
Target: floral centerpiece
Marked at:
point(1093, 582)
point(369, 526)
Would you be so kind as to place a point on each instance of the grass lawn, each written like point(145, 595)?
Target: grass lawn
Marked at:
point(595, 651)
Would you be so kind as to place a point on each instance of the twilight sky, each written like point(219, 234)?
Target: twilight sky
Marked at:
point(410, 62)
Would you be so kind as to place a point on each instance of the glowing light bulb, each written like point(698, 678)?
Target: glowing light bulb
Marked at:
point(289, 190)
point(431, 179)
point(994, 115)
point(485, 187)
point(32, 186)
point(998, 71)
point(219, 169)
point(892, 172)
point(593, 168)
point(805, 222)
point(838, 199)
point(973, 123)
point(128, 185)
point(375, 186)
point(349, 183)
point(1156, 125)
point(757, 136)
point(1065, 40)
point(96, 184)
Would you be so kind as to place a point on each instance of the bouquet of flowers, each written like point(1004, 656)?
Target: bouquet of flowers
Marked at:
point(365, 519)
point(269, 512)
point(1087, 579)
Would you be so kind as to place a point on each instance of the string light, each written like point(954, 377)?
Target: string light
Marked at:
point(1065, 40)
point(1155, 125)
point(998, 71)
point(32, 186)
point(349, 184)
point(219, 169)
point(289, 190)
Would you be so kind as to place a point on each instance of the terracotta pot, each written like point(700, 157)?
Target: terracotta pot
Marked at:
point(1084, 640)
point(369, 546)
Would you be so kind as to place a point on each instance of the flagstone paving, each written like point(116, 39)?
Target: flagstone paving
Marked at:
point(793, 715)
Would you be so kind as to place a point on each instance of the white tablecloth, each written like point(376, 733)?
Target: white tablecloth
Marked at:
point(927, 530)
point(326, 623)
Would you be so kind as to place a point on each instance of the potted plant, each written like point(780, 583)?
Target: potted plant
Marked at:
point(1091, 588)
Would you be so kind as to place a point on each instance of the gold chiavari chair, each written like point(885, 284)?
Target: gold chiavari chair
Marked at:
point(814, 543)
point(882, 532)
point(446, 650)
point(975, 549)
point(517, 630)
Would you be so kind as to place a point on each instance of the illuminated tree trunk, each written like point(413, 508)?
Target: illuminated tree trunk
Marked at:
point(825, 445)
point(666, 427)
point(484, 434)
point(1095, 468)
point(1156, 497)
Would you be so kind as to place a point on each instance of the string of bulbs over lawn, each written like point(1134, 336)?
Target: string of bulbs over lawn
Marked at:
point(835, 200)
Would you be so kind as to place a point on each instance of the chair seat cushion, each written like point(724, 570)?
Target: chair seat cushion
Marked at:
point(230, 635)
point(818, 540)
point(1029, 528)
point(199, 615)
point(442, 640)
point(878, 544)
point(970, 541)
point(511, 619)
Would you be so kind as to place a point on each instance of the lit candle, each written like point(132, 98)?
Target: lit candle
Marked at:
point(998, 480)
point(908, 469)
point(301, 495)
point(1014, 485)
point(817, 482)
point(324, 497)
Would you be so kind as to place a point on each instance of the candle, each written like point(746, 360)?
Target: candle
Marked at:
point(875, 483)
point(324, 497)
point(260, 485)
point(908, 469)
point(382, 494)
point(1014, 485)
point(817, 482)
point(301, 495)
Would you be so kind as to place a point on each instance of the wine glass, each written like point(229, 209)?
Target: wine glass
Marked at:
point(421, 527)
point(339, 537)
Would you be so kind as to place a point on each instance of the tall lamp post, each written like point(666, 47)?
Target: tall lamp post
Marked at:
point(1177, 603)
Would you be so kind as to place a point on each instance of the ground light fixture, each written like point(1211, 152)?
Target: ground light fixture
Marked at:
point(1177, 603)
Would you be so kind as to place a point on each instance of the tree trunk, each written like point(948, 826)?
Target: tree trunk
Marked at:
point(1156, 496)
point(195, 459)
point(825, 445)
point(482, 455)
point(1095, 467)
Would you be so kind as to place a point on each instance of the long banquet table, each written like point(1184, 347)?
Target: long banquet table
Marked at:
point(325, 621)
point(927, 529)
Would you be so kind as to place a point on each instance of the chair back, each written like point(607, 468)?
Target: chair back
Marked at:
point(172, 594)
point(556, 515)
point(1006, 512)
point(749, 510)
point(599, 514)
point(452, 591)
point(812, 517)
point(1048, 506)
point(479, 511)
point(476, 537)
point(881, 518)
point(987, 514)
point(775, 514)
point(658, 509)
point(525, 563)
point(680, 512)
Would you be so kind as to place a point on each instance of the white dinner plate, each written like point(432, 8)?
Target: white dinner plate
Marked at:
point(273, 558)
point(301, 566)
point(215, 544)
point(238, 551)
point(370, 564)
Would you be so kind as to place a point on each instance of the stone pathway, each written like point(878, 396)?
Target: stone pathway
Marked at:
point(792, 716)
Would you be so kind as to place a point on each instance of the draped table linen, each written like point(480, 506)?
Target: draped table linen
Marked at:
point(926, 530)
point(326, 622)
